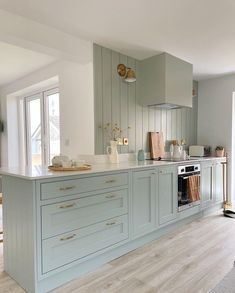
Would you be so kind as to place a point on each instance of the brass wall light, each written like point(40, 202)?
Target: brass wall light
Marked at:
point(126, 73)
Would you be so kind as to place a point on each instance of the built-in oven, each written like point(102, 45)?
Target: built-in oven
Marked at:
point(188, 186)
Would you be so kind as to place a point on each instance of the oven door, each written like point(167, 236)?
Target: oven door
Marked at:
point(185, 198)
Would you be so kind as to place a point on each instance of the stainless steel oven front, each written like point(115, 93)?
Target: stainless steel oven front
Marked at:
point(188, 186)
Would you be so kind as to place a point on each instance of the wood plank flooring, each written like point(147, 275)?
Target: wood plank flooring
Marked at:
point(192, 259)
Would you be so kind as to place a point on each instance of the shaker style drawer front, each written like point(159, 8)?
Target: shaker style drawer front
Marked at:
point(66, 248)
point(70, 215)
point(51, 190)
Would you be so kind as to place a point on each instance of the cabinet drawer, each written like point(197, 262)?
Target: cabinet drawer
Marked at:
point(66, 248)
point(68, 187)
point(70, 215)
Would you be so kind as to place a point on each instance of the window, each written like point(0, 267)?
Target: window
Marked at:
point(42, 124)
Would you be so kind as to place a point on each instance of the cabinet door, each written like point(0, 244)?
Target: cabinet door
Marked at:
point(218, 182)
point(143, 202)
point(167, 194)
point(207, 184)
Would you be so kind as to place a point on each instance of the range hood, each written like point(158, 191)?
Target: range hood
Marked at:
point(166, 82)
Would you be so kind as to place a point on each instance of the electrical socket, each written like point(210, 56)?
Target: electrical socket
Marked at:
point(125, 141)
point(119, 141)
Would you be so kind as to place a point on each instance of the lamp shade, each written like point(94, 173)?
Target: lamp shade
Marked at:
point(130, 75)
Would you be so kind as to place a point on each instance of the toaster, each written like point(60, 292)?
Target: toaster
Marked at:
point(199, 151)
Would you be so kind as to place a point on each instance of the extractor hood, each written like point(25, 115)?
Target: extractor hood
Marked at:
point(166, 82)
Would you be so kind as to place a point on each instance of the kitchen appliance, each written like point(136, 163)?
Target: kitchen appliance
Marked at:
point(188, 186)
point(177, 151)
point(166, 82)
point(199, 151)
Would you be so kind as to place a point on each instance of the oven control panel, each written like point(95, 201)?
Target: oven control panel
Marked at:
point(188, 169)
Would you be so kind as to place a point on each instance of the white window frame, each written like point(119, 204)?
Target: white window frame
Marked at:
point(45, 145)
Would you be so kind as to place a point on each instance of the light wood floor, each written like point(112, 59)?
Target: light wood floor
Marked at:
point(192, 259)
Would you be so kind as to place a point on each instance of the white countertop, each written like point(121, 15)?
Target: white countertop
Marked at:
point(38, 172)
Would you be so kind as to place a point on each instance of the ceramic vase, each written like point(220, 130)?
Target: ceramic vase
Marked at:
point(113, 152)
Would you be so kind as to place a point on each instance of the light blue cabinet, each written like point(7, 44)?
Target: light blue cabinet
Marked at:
point(66, 226)
point(207, 184)
point(77, 244)
point(66, 216)
point(167, 194)
point(143, 201)
point(218, 182)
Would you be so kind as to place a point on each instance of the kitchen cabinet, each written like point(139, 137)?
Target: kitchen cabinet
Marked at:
point(167, 194)
point(207, 184)
point(143, 201)
point(211, 183)
point(218, 182)
point(68, 225)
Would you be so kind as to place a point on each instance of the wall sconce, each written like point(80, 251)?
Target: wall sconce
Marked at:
point(126, 73)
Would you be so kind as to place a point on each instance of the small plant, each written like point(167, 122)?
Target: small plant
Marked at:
point(113, 132)
point(219, 148)
point(219, 151)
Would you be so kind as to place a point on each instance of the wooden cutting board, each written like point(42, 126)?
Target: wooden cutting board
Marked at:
point(156, 145)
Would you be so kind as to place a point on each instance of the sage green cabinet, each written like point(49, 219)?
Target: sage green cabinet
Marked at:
point(218, 182)
point(167, 194)
point(207, 184)
point(166, 79)
point(143, 202)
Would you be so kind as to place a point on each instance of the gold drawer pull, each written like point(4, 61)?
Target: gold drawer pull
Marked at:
point(67, 188)
point(110, 196)
point(111, 223)
point(67, 237)
point(66, 206)
point(110, 181)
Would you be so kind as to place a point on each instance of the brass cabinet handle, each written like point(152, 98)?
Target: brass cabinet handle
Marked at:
point(67, 188)
point(110, 196)
point(110, 181)
point(67, 237)
point(66, 206)
point(111, 223)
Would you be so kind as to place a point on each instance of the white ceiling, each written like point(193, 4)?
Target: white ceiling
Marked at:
point(201, 32)
point(16, 62)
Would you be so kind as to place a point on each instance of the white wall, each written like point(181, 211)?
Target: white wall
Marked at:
point(20, 31)
point(215, 109)
point(76, 107)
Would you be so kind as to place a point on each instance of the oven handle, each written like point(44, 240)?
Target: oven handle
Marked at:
point(187, 177)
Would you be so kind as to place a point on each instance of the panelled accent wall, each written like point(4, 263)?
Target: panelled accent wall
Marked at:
point(117, 102)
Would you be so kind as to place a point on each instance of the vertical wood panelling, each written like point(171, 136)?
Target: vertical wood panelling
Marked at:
point(168, 126)
point(139, 123)
point(151, 118)
point(98, 99)
point(116, 96)
point(124, 106)
point(183, 123)
point(178, 124)
point(107, 93)
point(157, 119)
point(173, 124)
point(145, 129)
point(116, 101)
point(131, 108)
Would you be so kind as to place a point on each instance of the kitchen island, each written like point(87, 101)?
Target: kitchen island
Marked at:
point(59, 225)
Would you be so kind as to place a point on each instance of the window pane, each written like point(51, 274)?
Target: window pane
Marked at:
point(54, 124)
point(35, 131)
